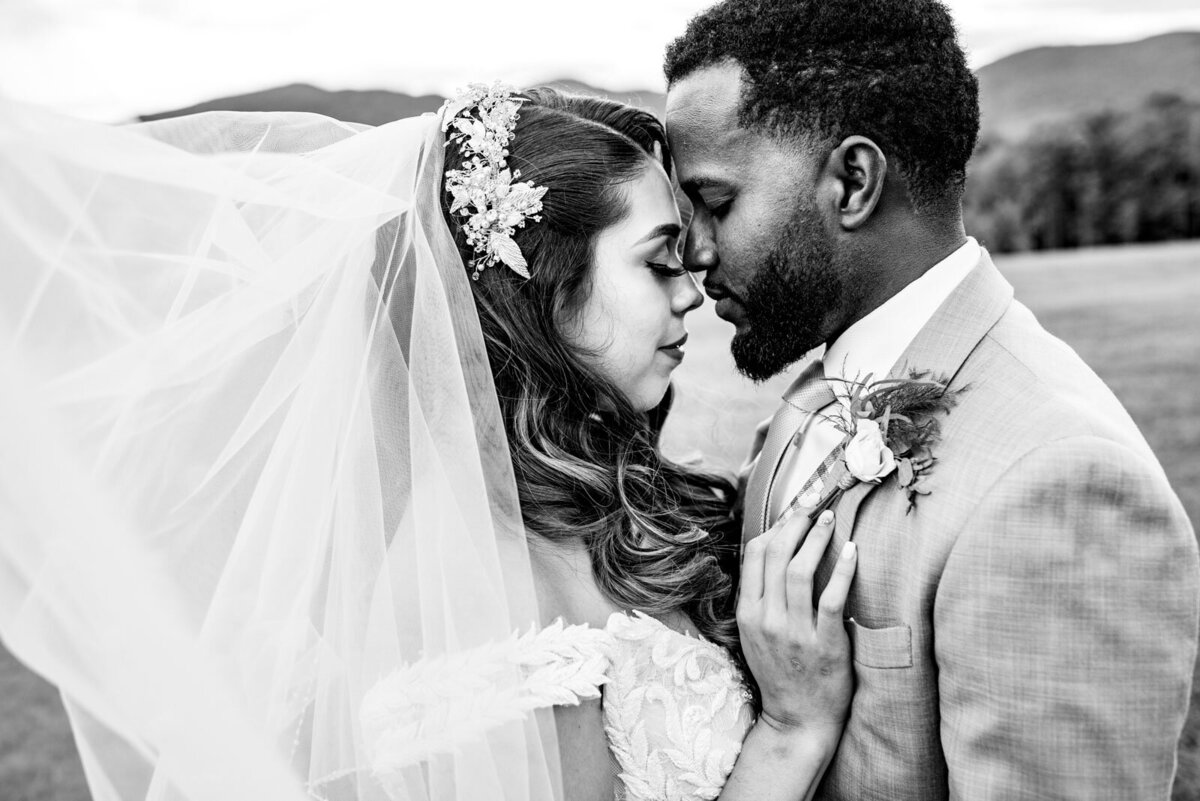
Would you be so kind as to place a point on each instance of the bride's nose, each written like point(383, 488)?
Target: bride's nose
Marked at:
point(687, 294)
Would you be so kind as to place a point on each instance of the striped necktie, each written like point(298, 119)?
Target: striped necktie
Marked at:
point(810, 393)
point(822, 470)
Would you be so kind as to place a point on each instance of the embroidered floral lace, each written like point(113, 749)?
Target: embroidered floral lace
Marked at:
point(675, 711)
point(675, 708)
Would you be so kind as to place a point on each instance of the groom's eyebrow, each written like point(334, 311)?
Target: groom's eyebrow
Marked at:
point(671, 230)
point(700, 182)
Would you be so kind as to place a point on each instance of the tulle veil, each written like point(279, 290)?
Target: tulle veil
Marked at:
point(251, 458)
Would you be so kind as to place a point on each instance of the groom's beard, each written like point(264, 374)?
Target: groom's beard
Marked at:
point(788, 298)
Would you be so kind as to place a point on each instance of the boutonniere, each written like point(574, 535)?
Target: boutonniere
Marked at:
point(891, 426)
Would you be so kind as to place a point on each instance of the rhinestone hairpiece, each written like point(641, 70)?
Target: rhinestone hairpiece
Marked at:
point(484, 191)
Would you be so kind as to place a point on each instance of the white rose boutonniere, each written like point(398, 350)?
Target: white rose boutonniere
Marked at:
point(890, 427)
point(867, 455)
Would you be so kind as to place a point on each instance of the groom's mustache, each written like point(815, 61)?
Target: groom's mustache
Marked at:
point(718, 291)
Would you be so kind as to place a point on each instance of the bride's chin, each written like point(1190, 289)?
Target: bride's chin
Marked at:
point(647, 394)
point(651, 398)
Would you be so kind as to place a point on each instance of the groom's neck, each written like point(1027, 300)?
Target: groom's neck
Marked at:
point(891, 257)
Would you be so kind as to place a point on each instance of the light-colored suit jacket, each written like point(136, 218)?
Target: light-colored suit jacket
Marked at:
point(1029, 630)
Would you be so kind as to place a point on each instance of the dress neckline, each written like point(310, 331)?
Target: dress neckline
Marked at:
point(625, 617)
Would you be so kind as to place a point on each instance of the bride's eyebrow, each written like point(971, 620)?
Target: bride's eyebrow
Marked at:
point(671, 230)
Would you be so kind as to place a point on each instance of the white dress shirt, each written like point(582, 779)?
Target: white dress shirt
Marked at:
point(871, 346)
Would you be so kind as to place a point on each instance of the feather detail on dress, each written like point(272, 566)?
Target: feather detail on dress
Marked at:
point(436, 704)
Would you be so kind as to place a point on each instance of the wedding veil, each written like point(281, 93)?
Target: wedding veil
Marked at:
point(251, 459)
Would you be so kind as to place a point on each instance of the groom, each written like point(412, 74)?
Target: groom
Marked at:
point(1028, 629)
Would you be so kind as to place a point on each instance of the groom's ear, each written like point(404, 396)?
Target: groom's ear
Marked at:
point(856, 170)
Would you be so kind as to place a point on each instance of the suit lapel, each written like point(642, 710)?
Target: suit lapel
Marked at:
point(942, 347)
point(959, 324)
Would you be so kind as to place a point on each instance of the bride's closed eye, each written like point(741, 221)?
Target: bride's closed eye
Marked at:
point(666, 270)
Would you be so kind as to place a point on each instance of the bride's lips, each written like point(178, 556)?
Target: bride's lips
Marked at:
point(675, 349)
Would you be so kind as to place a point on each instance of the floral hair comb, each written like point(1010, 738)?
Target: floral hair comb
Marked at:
point(484, 191)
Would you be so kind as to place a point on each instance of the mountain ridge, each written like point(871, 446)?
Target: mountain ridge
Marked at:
point(1017, 93)
point(374, 106)
point(1045, 84)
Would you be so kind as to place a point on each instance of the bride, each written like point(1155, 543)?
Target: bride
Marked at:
point(280, 480)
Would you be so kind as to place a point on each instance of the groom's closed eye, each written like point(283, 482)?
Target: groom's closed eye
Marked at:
point(706, 190)
point(719, 207)
point(715, 204)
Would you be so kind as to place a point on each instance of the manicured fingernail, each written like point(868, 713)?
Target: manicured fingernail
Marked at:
point(826, 518)
point(848, 550)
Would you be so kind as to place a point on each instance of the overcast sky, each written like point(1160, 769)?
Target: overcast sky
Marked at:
point(110, 59)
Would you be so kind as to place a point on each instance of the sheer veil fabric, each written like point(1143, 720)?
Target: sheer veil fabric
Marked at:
point(251, 458)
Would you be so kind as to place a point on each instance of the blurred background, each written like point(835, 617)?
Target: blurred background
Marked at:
point(1085, 183)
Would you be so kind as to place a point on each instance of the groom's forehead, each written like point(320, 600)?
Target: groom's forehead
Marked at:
point(708, 142)
point(705, 103)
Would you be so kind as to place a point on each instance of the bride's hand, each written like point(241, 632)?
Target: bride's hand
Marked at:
point(799, 656)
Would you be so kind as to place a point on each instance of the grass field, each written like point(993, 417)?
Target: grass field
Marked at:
point(1133, 313)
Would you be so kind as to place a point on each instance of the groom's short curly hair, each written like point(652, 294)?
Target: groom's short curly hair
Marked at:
point(891, 70)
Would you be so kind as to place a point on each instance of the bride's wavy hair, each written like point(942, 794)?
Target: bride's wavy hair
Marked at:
point(586, 462)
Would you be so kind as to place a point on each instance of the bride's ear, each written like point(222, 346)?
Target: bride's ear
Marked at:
point(857, 169)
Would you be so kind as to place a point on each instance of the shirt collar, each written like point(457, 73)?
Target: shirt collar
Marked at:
point(876, 342)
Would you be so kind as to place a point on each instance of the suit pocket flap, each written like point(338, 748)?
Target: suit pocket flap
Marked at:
point(889, 647)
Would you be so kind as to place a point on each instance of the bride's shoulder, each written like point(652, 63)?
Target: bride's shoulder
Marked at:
point(566, 586)
point(568, 592)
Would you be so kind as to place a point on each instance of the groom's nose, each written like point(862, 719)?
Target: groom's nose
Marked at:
point(699, 252)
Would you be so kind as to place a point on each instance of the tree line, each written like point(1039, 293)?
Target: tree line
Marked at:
point(1098, 179)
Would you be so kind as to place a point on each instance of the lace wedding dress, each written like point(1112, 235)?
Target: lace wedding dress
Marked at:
point(675, 708)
